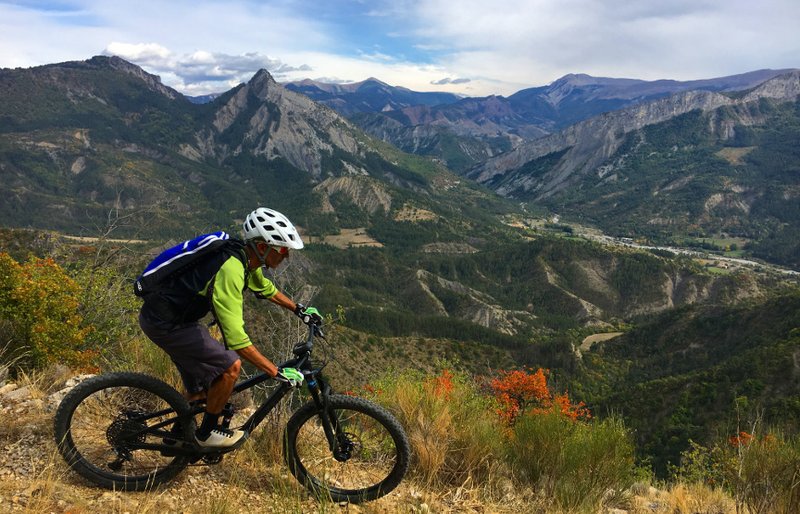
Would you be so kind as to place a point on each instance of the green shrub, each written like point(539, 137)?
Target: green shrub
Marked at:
point(577, 464)
point(763, 473)
point(107, 303)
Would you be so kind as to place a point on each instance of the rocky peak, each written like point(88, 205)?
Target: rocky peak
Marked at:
point(282, 123)
point(262, 76)
point(262, 85)
point(116, 63)
point(782, 87)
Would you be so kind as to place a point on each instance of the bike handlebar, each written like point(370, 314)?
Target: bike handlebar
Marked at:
point(302, 350)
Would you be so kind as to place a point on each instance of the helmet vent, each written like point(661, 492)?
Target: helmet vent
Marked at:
point(277, 237)
point(282, 224)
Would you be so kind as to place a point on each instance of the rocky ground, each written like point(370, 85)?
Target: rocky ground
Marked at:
point(34, 479)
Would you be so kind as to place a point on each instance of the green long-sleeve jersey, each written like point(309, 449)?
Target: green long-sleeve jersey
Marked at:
point(227, 288)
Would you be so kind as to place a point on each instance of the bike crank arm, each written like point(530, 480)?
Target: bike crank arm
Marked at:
point(185, 448)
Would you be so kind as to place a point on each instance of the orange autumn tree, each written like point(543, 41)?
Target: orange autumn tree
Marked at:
point(521, 391)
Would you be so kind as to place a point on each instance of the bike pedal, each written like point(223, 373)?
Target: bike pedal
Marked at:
point(213, 458)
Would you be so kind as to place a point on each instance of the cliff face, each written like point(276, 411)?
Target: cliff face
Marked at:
point(590, 143)
point(275, 122)
point(366, 193)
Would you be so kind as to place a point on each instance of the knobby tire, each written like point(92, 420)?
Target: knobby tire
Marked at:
point(379, 457)
point(94, 419)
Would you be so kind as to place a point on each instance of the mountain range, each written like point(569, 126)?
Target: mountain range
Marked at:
point(463, 132)
point(370, 95)
point(562, 146)
point(696, 163)
point(80, 138)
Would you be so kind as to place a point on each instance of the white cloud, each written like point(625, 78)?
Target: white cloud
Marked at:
point(143, 53)
point(448, 80)
point(538, 41)
point(479, 47)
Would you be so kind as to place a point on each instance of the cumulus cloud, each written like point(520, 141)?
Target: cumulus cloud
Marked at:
point(142, 53)
point(201, 71)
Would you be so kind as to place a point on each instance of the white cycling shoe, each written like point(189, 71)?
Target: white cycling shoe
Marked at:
point(220, 438)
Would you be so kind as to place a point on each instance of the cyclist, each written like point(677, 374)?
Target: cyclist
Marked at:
point(208, 369)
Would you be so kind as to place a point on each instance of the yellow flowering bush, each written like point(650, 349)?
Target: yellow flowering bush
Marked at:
point(39, 308)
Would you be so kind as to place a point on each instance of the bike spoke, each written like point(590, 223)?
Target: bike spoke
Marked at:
point(105, 431)
point(372, 452)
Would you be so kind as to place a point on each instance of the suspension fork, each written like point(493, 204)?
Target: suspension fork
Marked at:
point(337, 439)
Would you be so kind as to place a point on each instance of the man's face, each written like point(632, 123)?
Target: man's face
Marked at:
point(275, 254)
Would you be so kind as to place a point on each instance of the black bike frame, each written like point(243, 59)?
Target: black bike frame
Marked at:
point(315, 384)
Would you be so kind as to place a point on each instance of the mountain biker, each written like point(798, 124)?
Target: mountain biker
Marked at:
point(209, 369)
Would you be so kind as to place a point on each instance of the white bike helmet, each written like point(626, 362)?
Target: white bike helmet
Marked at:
point(273, 227)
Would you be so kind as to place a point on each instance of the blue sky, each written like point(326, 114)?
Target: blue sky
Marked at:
point(470, 47)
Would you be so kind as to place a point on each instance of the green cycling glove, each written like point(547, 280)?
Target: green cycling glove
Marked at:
point(309, 315)
point(291, 376)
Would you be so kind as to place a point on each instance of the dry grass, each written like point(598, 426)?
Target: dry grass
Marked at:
point(452, 472)
point(681, 498)
point(34, 479)
point(734, 155)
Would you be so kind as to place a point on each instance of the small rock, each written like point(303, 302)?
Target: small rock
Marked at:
point(72, 382)
point(23, 393)
point(7, 388)
point(35, 404)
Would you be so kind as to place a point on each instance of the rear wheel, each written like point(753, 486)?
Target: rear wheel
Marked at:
point(370, 456)
point(101, 425)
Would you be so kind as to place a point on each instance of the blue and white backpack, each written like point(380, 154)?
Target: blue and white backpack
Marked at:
point(178, 259)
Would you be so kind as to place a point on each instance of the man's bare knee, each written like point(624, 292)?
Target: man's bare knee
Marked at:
point(233, 371)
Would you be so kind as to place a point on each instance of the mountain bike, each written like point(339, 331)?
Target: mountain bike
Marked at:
point(130, 431)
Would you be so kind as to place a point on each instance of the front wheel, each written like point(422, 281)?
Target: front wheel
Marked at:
point(111, 428)
point(370, 454)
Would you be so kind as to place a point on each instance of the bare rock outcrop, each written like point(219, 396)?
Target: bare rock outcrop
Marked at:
point(367, 193)
point(588, 144)
point(276, 122)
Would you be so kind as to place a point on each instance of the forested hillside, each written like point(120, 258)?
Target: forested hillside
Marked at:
point(678, 181)
point(547, 284)
point(700, 371)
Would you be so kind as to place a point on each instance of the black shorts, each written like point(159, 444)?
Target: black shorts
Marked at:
point(200, 358)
